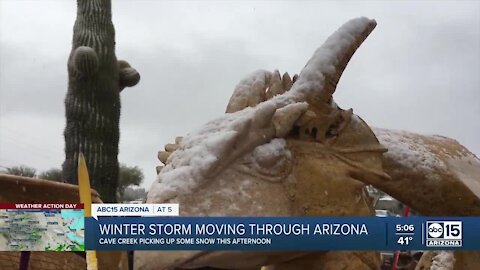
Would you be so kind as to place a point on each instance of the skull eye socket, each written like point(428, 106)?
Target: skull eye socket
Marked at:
point(314, 132)
point(295, 132)
point(331, 131)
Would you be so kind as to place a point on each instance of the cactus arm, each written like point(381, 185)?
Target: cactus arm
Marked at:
point(128, 76)
point(85, 61)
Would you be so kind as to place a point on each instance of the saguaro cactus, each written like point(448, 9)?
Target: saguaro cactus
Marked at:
point(92, 104)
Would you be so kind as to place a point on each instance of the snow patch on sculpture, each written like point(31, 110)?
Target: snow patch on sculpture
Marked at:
point(271, 161)
point(467, 168)
point(276, 148)
point(197, 152)
point(444, 260)
point(409, 151)
point(250, 90)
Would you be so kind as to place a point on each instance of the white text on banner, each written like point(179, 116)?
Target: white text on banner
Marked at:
point(132, 209)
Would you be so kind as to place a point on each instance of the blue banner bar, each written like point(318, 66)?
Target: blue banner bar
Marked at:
point(282, 233)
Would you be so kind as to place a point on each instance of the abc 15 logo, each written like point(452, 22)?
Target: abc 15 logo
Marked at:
point(447, 230)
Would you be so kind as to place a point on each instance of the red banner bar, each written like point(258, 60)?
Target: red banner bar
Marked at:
point(41, 205)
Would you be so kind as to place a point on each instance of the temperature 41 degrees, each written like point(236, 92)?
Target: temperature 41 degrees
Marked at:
point(404, 240)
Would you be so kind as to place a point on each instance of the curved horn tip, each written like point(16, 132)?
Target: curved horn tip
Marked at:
point(318, 80)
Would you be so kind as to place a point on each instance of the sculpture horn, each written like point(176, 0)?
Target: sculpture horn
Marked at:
point(318, 79)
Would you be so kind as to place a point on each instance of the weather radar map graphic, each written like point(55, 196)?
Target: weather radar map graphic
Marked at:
point(41, 227)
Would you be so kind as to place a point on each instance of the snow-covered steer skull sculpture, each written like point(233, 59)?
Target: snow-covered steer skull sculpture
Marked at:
point(284, 148)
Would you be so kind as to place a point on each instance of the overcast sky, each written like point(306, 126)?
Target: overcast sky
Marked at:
point(418, 71)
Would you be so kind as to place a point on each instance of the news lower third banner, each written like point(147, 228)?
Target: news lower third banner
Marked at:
point(282, 233)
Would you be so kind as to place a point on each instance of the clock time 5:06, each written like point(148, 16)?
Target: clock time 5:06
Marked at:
point(405, 228)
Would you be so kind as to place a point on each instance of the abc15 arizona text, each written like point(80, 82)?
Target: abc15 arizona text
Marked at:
point(443, 234)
